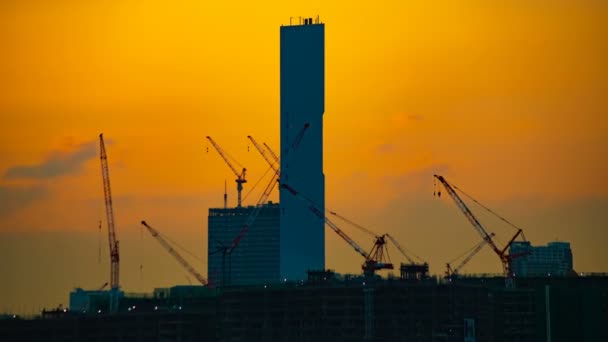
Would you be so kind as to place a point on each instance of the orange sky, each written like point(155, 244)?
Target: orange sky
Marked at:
point(507, 101)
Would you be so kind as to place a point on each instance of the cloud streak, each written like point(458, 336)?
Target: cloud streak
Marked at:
point(14, 198)
point(58, 164)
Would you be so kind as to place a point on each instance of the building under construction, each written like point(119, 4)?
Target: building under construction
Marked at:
point(256, 260)
point(330, 307)
point(260, 286)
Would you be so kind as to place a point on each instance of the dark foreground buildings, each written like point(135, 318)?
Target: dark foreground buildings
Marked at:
point(329, 308)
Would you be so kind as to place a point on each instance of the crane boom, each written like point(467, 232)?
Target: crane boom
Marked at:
point(254, 214)
point(227, 250)
point(505, 259)
point(374, 260)
point(358, 226)
point(263, 153)
point(331, 225)
point(223, 155)
point(453, 271)
point(240, 177)
point(113, 242)
point(379, 239)
point(298, 139)
point(274, 155)
point(174, 253)
point(469, 215)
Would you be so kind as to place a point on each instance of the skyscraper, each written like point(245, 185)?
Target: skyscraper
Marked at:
point(302, 240)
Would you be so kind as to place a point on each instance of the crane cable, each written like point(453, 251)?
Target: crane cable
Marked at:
point(179, 246)
point(368, 231)
point(256, 184)
point(466, 252)
point(488, 209)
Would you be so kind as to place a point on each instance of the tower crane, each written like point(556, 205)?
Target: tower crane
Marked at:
point(374, 260)
point(175, 254)
point(412, 270)
point(114, 255)
point(228, 249)
point(240, 177)
point(113, 242)
point(505, 258)
point(390, 237)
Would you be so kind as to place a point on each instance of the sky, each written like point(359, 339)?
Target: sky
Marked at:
point(506, 100)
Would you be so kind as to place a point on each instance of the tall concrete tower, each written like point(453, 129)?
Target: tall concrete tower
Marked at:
point(302, 241)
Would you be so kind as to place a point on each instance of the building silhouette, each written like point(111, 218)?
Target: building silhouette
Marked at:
point(256, 259)
point(554, 259)
point(302, 234)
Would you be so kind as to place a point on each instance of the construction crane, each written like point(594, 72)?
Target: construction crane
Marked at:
point(451, 273)
point(505, 258)
point(240, 176)
point(114, 255)
point(390, 237)
point(228, 249)
point(374, 260)
point(175, 254)
point(410, 271)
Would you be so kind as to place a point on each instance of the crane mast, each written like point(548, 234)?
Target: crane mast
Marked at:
point(174, 253)
point(240, 177)
point(505, 259)
point(114, 255)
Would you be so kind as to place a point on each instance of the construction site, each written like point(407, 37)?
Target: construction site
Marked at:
point(267, 278)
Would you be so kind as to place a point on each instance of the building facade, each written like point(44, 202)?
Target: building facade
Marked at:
point(302, 235)
point(554, 259)
point(255, 260)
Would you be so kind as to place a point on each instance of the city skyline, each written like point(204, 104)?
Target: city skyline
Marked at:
point(505, 101)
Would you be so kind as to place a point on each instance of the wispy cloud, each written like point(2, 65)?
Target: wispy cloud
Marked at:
point(386, 148)
point(58, 164)
point(13, 198)
point(415, 117)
